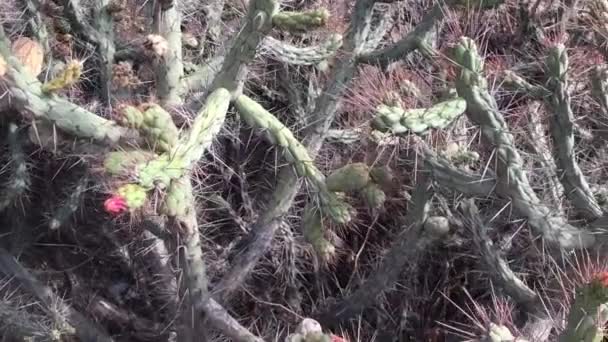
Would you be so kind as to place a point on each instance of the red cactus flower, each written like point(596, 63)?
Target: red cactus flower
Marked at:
point(336, 338)
point(602, 277)
point(115, 205)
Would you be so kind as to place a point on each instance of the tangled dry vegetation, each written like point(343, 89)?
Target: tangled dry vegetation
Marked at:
point(317, 170)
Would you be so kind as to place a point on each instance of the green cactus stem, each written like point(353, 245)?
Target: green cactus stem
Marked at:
point(513, 183)
point(19, 180)
point(62, 214)
point(588, 313)
point(518, 83)
point(350, 177)
point(419, 120)
point(170, 68)
point(258, 24)
point(309, 55)
point(206, 126)
point(300, 21)
point(255, 115)
point(562, 129)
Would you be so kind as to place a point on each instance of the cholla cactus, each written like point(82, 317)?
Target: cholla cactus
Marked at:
point(314, 233)
point(397, 120)
point(351, 177)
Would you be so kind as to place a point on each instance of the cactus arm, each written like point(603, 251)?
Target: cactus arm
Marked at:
point(519, 84)
point(223, 321)
point(407, 245)
point(540, 145)
point(588, 313)
point(409, 43)
point(181, 209)
point(65, 211)
point(419, 120)
point(497, 266)
point(202, 77)
point(206, 126)
point(257, 116)
point(20, 179)
point(36, 24)
point(446, 174)
point(512, 181)
point(562, 128)
point(213, 21)
point(295, 55)
point(300, 21)
point(170, 67)
point(376, 35)
point(27, 95)
point(257, 25)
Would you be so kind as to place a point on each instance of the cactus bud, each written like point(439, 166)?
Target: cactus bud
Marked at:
point(383, 176)
point(374, 196)
point(68, 77)
point(133, 195)
point(313, 230)
point(351, 177)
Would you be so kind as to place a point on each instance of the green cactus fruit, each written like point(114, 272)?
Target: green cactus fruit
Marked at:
point(178, 198)
point(131, 117)
point(124, 162)
point(589, 313)
point(300, 21)
point(160, 127)
point(374, 196)
point(351, 177)
point(134, 195)
point(336, 208)
point(383, 176)
point(313, 230)
point(161, 171)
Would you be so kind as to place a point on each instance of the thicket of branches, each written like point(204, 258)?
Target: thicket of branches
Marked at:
point(318, 170)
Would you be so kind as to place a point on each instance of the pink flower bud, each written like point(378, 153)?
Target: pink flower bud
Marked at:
point(115, 205)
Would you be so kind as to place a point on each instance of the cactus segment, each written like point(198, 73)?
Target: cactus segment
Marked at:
point(179, 198)
point(351, 177)
point(419, 120)
point(206, 126)
point(300, 21)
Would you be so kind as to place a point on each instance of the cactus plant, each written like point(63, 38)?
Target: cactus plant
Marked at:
point(350, 177)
